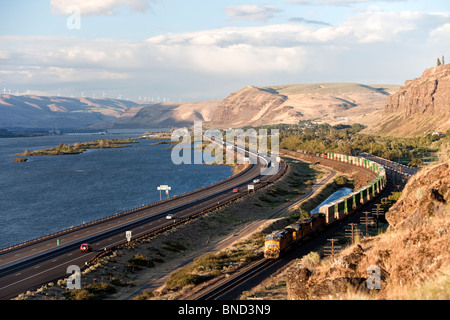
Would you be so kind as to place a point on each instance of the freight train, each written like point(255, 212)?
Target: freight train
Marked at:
point(278, 242)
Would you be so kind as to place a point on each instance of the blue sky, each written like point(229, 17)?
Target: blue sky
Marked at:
point(197, 50)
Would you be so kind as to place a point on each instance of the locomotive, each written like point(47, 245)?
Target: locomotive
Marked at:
point(280, 241)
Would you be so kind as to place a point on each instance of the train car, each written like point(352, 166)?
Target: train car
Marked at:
point(276, 243)
point(317, 221)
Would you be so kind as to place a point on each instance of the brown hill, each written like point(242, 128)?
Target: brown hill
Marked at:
point(30, 111)
point(167, 114)
point(249, 106)
point(420, 106)
point(327, 102)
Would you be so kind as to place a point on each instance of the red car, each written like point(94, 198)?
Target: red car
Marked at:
point(85, 247)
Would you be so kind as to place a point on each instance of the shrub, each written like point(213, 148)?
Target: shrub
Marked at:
point(183, 278)
point(311, 260)
point(140, 261)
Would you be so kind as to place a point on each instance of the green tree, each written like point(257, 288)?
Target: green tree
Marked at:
point(438, 62)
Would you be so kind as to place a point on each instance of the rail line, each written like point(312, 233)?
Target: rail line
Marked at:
point(226, 286)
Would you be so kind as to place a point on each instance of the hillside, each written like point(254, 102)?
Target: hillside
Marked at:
point(328, 102)
point(29, 111)
point(420, 106)
point(412, 256)
point(167, 114)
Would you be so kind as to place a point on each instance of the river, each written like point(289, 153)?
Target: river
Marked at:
point(50, 193)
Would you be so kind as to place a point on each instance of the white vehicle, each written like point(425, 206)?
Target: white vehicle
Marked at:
point(256, 181)
point(169, 216)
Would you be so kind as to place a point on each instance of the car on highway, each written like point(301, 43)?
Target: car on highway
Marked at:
point(235, 190)
point(85, 247)
point(169, 216)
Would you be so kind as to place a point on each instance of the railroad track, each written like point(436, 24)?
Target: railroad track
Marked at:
point(224, 287)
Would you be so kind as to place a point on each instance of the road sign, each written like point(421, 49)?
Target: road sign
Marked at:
point(165, 188)
point(251, 187)
point(128, 235)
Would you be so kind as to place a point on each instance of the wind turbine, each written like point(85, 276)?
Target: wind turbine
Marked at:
point(4, 90)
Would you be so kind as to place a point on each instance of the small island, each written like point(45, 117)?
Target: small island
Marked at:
point(19, 159)
point(79, 147)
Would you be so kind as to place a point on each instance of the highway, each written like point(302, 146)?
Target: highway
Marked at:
point(32, 265)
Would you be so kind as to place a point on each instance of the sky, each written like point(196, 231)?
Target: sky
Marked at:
point(173, 50)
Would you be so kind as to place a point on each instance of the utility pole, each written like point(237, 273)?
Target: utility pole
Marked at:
point(366, 220)
point(352, 232)
point(331, 250)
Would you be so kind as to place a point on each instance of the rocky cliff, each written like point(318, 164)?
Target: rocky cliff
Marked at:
point(421, 105)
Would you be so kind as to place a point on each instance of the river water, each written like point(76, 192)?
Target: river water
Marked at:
point(50, 193)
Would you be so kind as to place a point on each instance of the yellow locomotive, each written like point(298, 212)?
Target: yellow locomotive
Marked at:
point(278, 242)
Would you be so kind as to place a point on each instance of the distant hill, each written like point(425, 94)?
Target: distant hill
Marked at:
point(327, 102)
point(167, 114)
point(333, 103)
point(29, 111)
point(420, 106)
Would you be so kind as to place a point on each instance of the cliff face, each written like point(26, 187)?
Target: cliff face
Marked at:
point(421, 105)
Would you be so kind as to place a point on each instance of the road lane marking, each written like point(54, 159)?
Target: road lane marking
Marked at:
point(38, 274)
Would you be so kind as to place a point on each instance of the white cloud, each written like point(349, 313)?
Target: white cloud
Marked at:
point(98, 7)
point(337, 2)
point(251, 12)
point(228, 57)
point(441, 34)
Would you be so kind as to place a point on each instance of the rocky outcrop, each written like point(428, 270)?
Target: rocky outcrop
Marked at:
point(303, 285)
point(428, 196)
point(421, 105)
